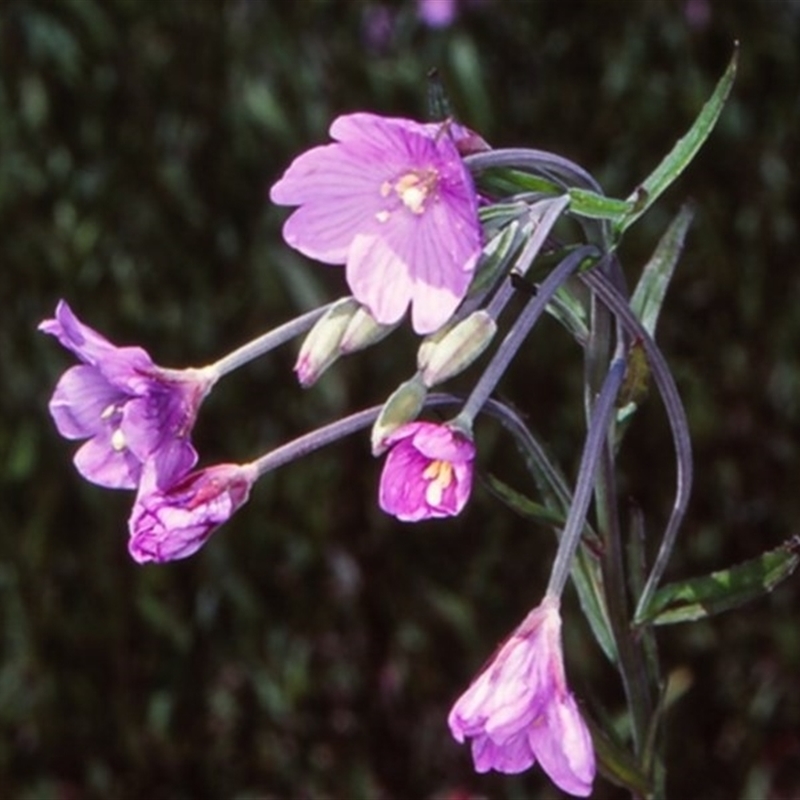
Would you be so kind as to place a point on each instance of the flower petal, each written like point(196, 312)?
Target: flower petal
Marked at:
point(102, 464)
point(563, 746)
point(81, 399)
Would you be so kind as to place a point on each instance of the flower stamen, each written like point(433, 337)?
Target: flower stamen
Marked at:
point(118, 440)
point(415, 187)
point(440, 475)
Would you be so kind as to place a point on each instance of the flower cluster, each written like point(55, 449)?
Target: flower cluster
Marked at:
point(138, 420)
point(393, 200)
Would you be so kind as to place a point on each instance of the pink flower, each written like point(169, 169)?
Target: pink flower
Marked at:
point(428, 472)
point(437, 13)
point(166, 525)
point(130, 410)
point(392, 200)
point(519, 709)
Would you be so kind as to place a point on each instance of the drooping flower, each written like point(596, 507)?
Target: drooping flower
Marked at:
point(173, 523)
point(428, 472)
point(130, 410)
point(519, 710)
point(392, 200)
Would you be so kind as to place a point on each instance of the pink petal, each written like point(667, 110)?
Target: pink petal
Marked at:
point(563, 746)
point(100, 463)
point(79, 400)
point(379, 278)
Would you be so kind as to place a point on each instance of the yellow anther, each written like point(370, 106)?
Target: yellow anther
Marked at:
point(440, 475)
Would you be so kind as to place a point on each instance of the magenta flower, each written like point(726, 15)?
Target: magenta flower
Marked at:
point(428, 472)
point(391, 199)
point(173, 523)
point(130, 410)
point(519, 710)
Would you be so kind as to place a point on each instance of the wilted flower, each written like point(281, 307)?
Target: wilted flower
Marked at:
point(174, 523)
point(519, 710)
point(391, 199)
point(129, 409)
point(428, 472)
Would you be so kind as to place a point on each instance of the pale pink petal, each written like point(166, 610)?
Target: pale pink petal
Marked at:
point(510, 757)
point(378, 278)
point(563, 746)
point(327, 231)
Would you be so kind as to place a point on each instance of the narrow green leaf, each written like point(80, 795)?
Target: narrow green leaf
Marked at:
point(697, 598)
point(684, 150)
point(568, 309)
point(513, 181)
point(522, 505)
point(496, 255)
point(649, 294)
point(596, 206)
point(616, 764)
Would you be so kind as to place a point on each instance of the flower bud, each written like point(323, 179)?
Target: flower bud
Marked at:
point(362, 331)
point(403, 406)
point(456, 349)
point(168, 524)
point(320, 348)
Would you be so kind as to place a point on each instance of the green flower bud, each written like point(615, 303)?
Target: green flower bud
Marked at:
point(321, 347)
point(403, 406)
point(362, 331)
point(456, 349)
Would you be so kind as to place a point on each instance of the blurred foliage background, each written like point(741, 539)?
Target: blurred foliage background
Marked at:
point(314, 647)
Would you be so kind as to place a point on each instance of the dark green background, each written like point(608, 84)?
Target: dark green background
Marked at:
point(314, 647)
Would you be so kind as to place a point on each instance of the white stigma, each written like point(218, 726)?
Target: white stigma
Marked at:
point(118, 441)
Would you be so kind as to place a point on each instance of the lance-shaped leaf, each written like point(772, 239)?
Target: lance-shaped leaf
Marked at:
point(597, 206)
point(697, 598)
point(684, 150)
point(617, 764)
point(522, 505)
point(646, 303)
point(648, 297)
point(513, 181)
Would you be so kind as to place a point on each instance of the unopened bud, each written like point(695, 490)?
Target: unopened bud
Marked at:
point(403, 406)
point(456, 349)
point(362, 331)
point(320, 348)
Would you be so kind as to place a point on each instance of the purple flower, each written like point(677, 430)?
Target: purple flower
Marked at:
point(174, 523)
point(437, 13)
point(519, 709)
point(130, 410)
point(391, 199)
point(428, 472)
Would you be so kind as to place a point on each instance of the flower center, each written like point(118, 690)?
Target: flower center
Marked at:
point(113, 415)
point(440, 475)
point(414, 188)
